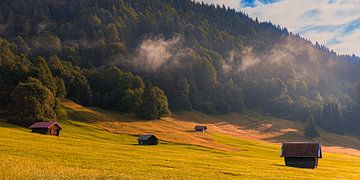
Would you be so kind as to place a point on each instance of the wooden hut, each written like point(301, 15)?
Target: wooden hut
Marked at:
point(301, 154)
point(200, 128)
point(50, 128)
point(149, 139)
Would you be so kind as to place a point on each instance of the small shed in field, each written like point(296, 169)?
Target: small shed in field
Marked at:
point(200, 128)
point(301, 154)
point(149, 139)
point(50, 128)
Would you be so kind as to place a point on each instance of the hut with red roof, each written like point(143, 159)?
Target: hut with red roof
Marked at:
point(50, 128)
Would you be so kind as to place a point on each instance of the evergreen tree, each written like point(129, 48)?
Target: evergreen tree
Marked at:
point(114, 89)
point(41, 71)
point(3, 93)
point(76, 85)
point(332, 119)
point(310, 129)
point(132, 100)
point(60, 89)
point(31, 102)
point(182, 95)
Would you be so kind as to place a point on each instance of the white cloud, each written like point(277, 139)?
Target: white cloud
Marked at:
point(335, 23)
point(350, 43)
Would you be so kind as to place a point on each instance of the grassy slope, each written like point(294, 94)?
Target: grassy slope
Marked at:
point(93, 150)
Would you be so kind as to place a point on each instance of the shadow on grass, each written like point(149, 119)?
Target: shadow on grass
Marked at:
point(5, 124)
point(230, 173)
point(142, 145)
point(192, 131)
point(294, 167)
point(279, 165)
point(289, 136)
point(163, 166)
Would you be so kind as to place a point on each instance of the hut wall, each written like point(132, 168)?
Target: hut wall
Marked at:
point(40, 130)
point(302, 162)
point(199, 130)
point(54, 130)
point(152, 141)
point(142, 142)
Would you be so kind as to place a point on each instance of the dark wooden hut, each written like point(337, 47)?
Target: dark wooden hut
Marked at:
point(149, 139)
point(301, 154)
point(50, 128)
point(200, 128)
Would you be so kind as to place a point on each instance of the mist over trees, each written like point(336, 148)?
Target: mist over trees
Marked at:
point(150, 57)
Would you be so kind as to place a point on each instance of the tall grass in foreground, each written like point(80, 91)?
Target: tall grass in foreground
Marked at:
point(86, 152)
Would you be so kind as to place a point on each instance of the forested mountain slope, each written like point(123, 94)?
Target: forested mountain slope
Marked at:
point(146, 57)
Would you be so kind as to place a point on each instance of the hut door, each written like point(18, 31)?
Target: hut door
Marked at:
point(52, 131)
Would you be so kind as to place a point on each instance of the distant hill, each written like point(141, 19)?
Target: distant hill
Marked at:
point(152, 57)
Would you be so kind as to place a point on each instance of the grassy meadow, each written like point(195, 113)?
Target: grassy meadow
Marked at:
point(92, 150)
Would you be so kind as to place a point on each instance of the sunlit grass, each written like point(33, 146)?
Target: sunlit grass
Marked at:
point(86, 151)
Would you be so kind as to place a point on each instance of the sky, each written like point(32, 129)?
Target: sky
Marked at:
point(334, 23)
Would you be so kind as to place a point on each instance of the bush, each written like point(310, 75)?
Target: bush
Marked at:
point(155, 104)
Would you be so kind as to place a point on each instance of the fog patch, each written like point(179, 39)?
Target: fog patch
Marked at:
point(241, 61)
point(154, 53)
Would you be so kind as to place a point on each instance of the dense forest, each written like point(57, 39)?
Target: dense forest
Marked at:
point(149, 57)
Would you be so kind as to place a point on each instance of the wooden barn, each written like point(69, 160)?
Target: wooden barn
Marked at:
point(149, 139)
point(200, 128)
point(50, 128)
point(301, 154)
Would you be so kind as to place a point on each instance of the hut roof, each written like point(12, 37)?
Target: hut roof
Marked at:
point(44, 125)
point(200, 127)
point(301, 149)
point(145, 137)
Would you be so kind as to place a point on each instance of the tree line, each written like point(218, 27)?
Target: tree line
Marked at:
point(33, 88)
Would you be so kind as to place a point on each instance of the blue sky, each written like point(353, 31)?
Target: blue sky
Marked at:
point(254, 3)
point(335, 23)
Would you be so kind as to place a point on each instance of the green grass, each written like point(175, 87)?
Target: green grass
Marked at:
point(84, 151)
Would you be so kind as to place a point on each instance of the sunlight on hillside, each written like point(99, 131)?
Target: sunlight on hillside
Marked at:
point(179, 128)
point(86, 151)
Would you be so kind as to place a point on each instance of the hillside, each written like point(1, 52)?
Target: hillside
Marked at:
point(178, 128)
point(89, 147)
point(151, 57)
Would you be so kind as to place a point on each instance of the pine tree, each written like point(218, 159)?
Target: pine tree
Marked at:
point(310, 129)
point(332, 119)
